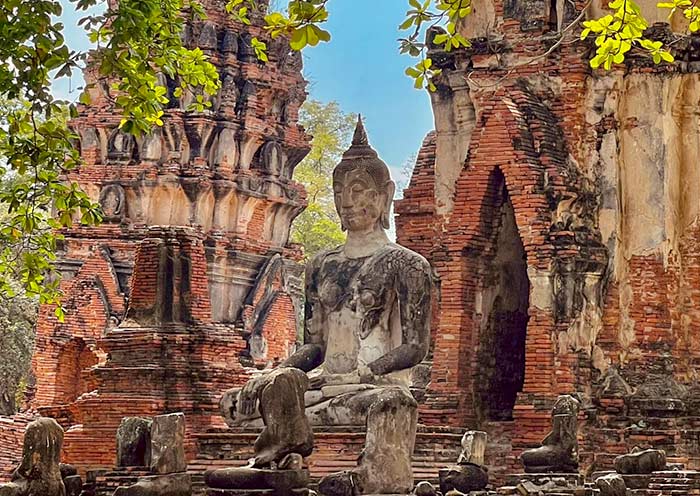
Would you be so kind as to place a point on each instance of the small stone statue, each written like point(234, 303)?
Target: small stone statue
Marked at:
point(469, 474)
point(367, 324)
point(559, 450)
point(473, 448)
point(121, 146)
point(39, 473)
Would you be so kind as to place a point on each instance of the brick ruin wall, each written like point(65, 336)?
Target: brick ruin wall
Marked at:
point(573, 192)
point(219, 182)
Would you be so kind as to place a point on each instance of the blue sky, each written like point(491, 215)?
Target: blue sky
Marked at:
point(360, 68)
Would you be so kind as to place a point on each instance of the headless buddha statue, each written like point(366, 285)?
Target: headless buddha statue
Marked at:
point(367, 323)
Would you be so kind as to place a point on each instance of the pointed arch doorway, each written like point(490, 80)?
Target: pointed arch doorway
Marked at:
point(504, 301)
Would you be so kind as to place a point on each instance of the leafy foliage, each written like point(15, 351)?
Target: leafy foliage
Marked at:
point(302, 21)
point(689, 8)
point(36, 150)
point(318, 227)
point(430, 14)
point(616, 33)
point(17, 319)
point(138, 40)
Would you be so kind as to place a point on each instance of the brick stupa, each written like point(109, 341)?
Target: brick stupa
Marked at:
point(195, 243)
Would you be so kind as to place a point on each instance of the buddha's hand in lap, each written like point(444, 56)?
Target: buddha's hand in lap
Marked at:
point(362, 375)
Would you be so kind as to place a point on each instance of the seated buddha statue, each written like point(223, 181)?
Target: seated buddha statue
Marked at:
point(367, 324)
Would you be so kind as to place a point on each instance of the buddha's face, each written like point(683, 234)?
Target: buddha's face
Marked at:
point(360, 204)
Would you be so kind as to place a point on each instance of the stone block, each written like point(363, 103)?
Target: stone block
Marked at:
point(637, 481)
point(73, 484)
point(542, 479)
point(253, 478)
point(134, 442)
point(259, 492)
point(611, 485)
point(641, 462)
point(168, 444)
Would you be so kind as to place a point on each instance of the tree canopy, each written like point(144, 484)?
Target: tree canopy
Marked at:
point(318, 227)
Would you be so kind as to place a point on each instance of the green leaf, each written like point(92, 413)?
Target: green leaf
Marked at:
point(85, 98)
point(666, 56)
point(440, 39)
point(299, 39)
point(412, 72)
point(407, 23)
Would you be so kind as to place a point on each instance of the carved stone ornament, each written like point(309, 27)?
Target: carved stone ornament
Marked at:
point(112, 201)
point(121, 146)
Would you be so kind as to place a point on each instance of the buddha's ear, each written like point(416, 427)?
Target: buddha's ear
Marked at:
point(340, 217)
point(390, 189)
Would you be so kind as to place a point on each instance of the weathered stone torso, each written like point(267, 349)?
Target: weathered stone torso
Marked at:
point(358, 299)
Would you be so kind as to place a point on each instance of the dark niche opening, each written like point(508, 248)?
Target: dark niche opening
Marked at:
point(505, 301)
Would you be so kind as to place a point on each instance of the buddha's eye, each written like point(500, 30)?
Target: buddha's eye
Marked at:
point(358, 187)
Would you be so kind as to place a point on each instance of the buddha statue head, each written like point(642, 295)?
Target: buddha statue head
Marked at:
point(362, 187)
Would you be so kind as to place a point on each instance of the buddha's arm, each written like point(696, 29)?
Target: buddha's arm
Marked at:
point(413, 291)
point(311, 354)
point(306, 358)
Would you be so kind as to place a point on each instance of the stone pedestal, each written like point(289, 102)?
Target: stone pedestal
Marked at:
point(165, 455)
point(159, 485)
point(168, 444)
point(230, 481)
point(134, 442)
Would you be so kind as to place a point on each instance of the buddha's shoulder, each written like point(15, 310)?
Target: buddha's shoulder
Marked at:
point(390, 256)
point(400, 257)
point(318, 259)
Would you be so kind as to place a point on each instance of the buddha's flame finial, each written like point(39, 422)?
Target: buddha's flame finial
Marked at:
point(360, 136)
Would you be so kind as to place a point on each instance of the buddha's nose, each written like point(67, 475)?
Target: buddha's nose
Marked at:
point(346, 200)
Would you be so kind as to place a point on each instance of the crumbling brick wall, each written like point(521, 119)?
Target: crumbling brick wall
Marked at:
point(597, 171)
